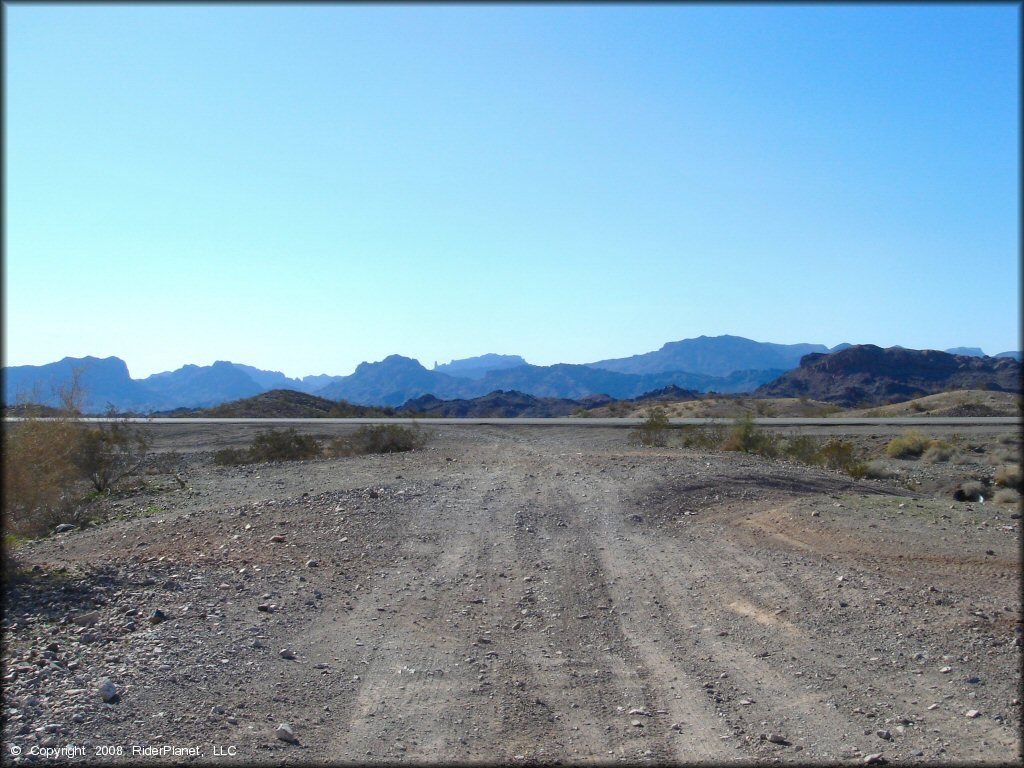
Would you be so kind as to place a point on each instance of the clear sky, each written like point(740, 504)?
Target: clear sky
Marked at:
point(302, 188)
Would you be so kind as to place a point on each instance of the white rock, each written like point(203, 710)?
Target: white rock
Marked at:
point(286, 733)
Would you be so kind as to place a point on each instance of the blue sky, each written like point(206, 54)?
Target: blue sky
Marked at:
point(302, 188)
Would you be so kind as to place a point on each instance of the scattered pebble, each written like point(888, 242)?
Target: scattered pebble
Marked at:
point(107, 690)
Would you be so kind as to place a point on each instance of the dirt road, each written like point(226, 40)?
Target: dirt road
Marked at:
point(514, 595)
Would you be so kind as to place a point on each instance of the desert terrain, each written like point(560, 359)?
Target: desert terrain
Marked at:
point(521, 595)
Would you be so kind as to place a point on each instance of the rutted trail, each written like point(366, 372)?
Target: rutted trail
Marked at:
point(513, 596)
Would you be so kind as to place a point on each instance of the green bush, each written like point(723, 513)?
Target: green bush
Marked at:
point(802, 448)
point(40, 476)
point(745, 436)
point(652, 432)
point(840, 454)
point(379, 438)
point(284, 445)
point(696, 436)
point(272, 445)
point(48, 460)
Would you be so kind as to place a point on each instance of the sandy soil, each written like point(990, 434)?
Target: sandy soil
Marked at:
point(515, 594)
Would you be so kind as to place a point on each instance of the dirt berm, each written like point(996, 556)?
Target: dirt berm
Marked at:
point(515, 595)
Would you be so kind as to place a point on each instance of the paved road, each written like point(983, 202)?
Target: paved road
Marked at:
point(899, 421)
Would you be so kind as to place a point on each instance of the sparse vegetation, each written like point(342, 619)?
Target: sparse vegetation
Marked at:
point(652, 432)
point(40, 475)
point(1009, 477)
point(802, 448)
point(695, 436)
point(272, 445)
point(107, 453)
point(910, 445)
point(971, 490)
point(825, 409)
point(745, 436)
point(1006, 496)
point(49, 460)
point(877, 470)
point(379, 438)
point(938, 451)
point(840, 454)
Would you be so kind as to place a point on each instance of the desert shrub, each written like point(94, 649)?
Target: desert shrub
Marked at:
point(1006, 496)
point(284, 445)
point(697, 436)
point(1006, 457)
point(39, 475)
point(107, 453)
point(47, 459)
point(379, 438)
point(1009, 477)
point(910, 444)
point(652, 432)
point(877, 470)
point(841, 455)
point(938, 451)
point(764, 409)
point(231, 456)
point(618, 408)
point(802, 448)
point(346, 410)
point(272, 445)
point(166, 463)
point(971, 490)
point(745, 436)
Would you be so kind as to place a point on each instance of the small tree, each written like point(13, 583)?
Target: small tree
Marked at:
point(652, 431)
point(109, 452)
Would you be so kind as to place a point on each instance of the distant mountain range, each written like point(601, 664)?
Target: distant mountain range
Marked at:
point(716, 356)
point(868, 375)
point(723, 364)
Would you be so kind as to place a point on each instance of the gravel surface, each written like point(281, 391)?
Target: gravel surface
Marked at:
point(509, 595)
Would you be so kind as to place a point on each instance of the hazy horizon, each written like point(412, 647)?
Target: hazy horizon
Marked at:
point(304, 188)
point(429, 364)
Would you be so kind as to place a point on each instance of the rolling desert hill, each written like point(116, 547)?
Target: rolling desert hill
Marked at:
point(500, 405)
point(866, 375)
point(282, 404)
